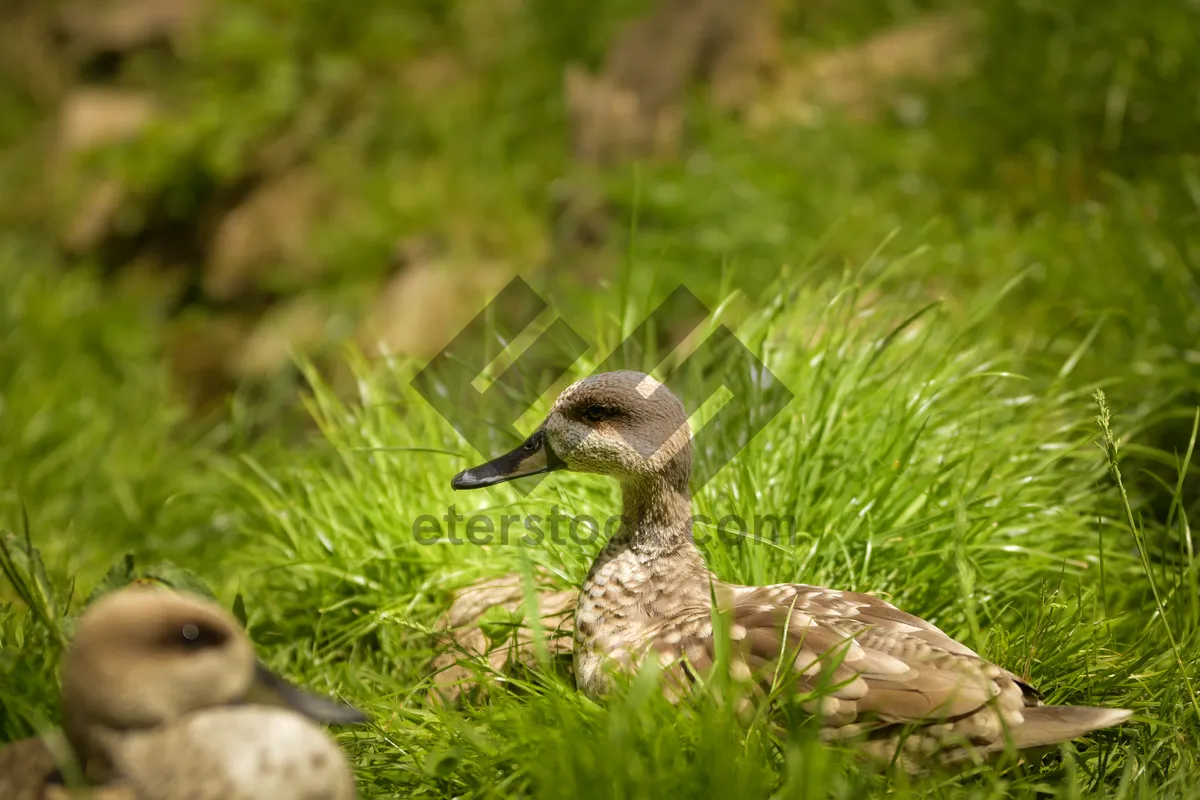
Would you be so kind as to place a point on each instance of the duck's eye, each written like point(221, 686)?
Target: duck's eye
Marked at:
point(196, 637)
point(595, 413)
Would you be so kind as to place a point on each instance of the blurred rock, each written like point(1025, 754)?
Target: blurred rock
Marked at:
point(29, 57)
point(269, 229)
point(96, 26)
point(742, 51)
point(92, 117)
point(297, 325)
point(633, 107)
point(856, 79)
point(610, 123)
point(413, 250)
point(468, 632)
point(426, 303)
point(91, 219)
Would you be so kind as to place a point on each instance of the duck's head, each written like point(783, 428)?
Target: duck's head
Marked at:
point(623, 424)
point(143, 657)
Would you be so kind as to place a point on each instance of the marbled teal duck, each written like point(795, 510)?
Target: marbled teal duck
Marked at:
point(164, 699)
point(891, 680)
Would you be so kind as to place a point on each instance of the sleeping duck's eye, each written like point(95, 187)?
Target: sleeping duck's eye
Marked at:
point(595, 413)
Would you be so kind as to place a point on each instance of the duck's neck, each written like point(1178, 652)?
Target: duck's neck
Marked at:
point(656, 516)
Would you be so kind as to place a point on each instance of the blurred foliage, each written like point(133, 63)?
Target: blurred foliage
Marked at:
point(96, 450)
point(829, 23)
point(1063, 82)
point(1062, 159)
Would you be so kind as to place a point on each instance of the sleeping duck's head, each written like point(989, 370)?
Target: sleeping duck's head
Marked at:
point(623, 424)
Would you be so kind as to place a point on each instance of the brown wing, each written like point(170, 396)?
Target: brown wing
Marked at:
point(849, 605)
point(865, 659)
point(25, 766)
point(465, 638)
point(28, 771)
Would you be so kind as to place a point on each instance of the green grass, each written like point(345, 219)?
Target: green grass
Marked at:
point(942, 305)
point(924, 459)
point(921, 462)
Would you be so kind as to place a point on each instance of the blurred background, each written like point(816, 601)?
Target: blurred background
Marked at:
point(193, 190)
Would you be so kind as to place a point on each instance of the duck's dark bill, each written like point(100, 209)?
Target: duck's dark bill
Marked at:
point(270, 689)
point(532, 458)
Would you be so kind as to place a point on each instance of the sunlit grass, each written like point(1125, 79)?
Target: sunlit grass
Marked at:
point(920, 460)
point(923, 458)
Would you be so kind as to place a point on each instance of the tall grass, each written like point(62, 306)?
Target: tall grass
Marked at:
point(923, 458)
point(920, 459)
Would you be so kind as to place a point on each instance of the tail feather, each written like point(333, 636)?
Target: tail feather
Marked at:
point(1046, 725)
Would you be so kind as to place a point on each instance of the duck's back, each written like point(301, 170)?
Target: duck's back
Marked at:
point(237, 753)
point(24, 768)
point(875, 671)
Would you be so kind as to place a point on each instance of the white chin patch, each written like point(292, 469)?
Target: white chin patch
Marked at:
point(647, 387)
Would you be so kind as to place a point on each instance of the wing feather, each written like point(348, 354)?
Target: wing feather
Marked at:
point(867, 659)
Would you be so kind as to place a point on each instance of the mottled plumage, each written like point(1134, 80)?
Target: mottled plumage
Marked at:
point(163, 699)
point(872, 672)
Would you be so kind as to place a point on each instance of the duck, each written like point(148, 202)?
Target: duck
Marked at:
point(895, 684)
point(163, 698)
